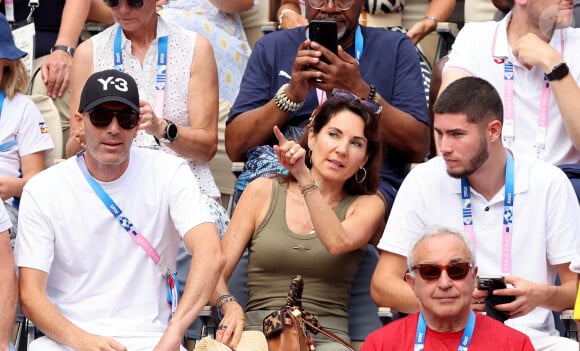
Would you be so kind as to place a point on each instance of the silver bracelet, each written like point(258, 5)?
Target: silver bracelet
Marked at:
point(432, 18)
point(284, 103)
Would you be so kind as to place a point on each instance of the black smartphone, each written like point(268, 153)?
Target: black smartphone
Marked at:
point(493, 282)
point(490, 283)
point(325, 34)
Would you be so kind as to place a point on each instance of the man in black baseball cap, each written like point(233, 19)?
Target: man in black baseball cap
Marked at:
point(97, 267)
point(109, 86)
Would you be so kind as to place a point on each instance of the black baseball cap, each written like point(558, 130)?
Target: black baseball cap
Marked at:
point(109, 86)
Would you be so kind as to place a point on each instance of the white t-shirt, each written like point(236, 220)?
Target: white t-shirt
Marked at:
point(98, 277)
point(21, 121)
point(5, 223)
point(478, 50)
point(545, 223)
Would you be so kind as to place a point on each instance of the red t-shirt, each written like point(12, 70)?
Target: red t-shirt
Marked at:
point(489, 334)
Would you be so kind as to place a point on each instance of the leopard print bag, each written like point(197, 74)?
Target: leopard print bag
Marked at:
point(285, 329)
point(291, 327)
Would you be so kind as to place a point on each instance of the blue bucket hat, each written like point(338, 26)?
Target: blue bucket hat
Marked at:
point(8, 49)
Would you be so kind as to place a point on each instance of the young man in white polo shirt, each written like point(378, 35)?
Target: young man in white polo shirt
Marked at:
point(474, 186)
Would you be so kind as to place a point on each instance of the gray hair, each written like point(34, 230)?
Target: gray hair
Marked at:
point(435, 230)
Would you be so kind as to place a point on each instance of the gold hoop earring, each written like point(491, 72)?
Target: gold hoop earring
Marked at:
point(364, 176)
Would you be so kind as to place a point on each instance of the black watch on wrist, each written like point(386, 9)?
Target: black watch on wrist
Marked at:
point(69, 50)
point(558, 72)
point(170, 132)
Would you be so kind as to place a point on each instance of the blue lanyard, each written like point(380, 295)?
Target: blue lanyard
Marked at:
point(171, 281)
point(358, 44)
point(465, 338)
point(508, 205)
point(10, 143)
point(161, 77)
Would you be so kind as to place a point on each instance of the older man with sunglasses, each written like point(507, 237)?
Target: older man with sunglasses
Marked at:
point(521, 214)
point(99, 235)
point(442, 272)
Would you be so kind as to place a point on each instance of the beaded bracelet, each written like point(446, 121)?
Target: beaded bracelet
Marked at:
point(223, 299)
point(218, 301)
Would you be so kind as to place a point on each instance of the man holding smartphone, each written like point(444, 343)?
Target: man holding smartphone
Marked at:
point(520, 212)
point(286, 79)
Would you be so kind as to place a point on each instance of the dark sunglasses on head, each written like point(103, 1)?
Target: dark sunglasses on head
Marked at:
point(136, 4)
point(101, 118)
point(455, 271)
point(344, 95)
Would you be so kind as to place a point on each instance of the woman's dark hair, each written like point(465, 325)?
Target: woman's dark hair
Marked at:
point(372, 132)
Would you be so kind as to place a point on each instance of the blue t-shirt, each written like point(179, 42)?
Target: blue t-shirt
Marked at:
point(389, 61)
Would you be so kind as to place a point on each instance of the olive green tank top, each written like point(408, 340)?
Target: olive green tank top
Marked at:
point(276, 254)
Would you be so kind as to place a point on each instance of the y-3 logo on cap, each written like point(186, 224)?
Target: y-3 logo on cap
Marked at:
point(119, 83)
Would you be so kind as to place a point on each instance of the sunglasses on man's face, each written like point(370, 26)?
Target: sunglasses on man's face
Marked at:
point(370, 106)
point(455, 271)
point(136, 4)
point(100, 118)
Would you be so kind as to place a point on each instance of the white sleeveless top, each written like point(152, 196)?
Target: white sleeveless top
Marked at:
point(180, 49)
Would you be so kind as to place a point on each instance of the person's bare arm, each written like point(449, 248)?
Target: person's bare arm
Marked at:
point(532, 50)
point(100, 13)
point(46, 317)
point(207, 262)
point(388, 287)
point(439, 9)
point(292, 16)
point(8, 291)
point(530, 295)
point(31, 164)
point(56, 67)
point(233, 6)
point(245, 219)
point(199, 140)
point(82, 68)
point(450, 76)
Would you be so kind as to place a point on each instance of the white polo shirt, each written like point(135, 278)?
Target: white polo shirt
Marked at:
point(478, 51)
point(545, 223)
